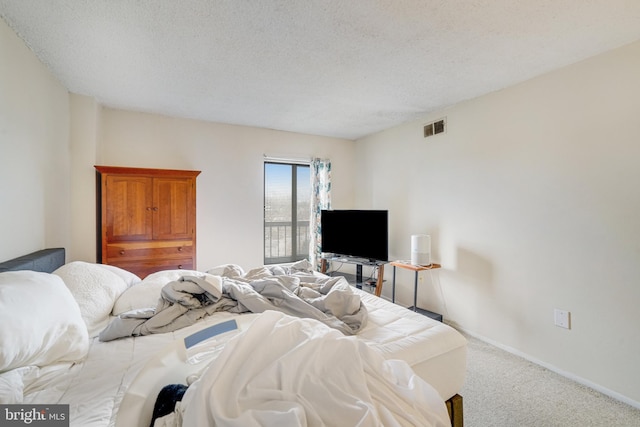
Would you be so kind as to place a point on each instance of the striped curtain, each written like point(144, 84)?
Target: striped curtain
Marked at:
point(320, 199)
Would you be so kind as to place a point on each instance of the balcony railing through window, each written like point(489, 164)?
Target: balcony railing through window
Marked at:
point(280, 247)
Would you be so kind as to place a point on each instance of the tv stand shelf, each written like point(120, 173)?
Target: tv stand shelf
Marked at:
point(359, 262)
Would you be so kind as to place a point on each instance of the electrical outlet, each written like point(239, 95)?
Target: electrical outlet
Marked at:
point(562, 318)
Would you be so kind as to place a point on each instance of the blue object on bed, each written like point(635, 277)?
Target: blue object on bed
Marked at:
point(209, 332)
point(45, 260)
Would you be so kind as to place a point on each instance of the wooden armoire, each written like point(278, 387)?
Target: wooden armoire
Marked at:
point(146, 218)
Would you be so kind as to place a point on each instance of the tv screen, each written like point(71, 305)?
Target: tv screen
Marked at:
point(356, 233)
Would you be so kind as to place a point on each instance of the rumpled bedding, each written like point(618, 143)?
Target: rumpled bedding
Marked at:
point(187, 300)
point(308, 375)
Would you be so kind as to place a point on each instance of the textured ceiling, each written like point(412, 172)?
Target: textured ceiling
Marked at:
point(344, 68)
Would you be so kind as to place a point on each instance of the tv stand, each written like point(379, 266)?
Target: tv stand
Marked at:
point(359, 262)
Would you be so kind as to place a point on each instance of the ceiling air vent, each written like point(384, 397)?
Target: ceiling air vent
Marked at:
point(434, 128)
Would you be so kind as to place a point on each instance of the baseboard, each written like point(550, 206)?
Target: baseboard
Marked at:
point(613, 394)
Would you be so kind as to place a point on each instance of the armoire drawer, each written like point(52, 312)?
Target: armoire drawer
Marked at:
point(148, 250)
point(143, 268)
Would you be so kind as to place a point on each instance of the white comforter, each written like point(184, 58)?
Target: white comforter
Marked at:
point(306, 375)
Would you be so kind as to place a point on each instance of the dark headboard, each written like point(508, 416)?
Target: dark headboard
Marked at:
point(46, 260)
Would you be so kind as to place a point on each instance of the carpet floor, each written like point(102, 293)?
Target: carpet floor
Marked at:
point(505, 390)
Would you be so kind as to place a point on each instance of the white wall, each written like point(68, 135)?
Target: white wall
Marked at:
point(34, 152)
point(230, 187)
point(84, 134)
point(532, 198)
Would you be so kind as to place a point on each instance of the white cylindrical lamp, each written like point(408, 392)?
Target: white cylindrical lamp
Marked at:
point(421, 249)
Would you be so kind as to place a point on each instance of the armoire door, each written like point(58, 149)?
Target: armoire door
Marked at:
point(174, 218)
point(129, 208)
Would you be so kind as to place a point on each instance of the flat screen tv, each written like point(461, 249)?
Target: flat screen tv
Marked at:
point(356, 233)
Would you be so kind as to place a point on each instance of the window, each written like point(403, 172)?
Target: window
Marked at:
point(287, 211)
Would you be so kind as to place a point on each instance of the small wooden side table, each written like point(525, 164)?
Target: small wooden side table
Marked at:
point(417, 269)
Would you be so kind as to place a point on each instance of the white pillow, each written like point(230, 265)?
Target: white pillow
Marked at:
point(95, 288)
point(129, 278)
point(40, 322)
point(147, 293)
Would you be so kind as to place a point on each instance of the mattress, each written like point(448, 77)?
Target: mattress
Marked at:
point(435, 351)
point(118, 372)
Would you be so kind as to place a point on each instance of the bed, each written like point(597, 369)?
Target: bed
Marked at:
point(115, 383)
